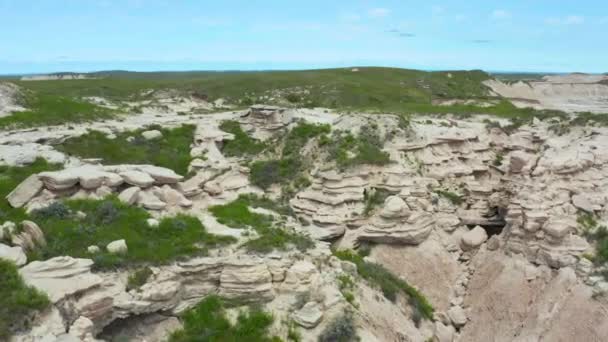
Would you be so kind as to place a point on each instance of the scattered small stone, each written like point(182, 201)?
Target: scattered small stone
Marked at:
point(93, 249)
point(153, 222)
point(457, 316)
point(117, 247)
point(151, 135)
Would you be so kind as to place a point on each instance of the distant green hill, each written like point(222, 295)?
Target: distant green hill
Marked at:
point(367, 88)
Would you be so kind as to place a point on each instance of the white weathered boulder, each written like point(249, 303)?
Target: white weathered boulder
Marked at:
point(60, 180)
point(81, 327)
point(25, 191)
point(161, 175)
point(117, 247)
point(559, 227)
point(582, 202)
point(394, 207)
point(137, 178)
point(473, 238)
point(212, 188)
point(152, 134)
point(129, 195)
point(457, 316)
point(149, 200)
point(174, 198)
point(309, 316)
point(443, 333)
point(14, 254)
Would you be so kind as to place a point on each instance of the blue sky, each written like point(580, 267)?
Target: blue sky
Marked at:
point(514, 35)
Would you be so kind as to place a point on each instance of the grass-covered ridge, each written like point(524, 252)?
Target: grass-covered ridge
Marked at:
point(172, 150)
point(390, 285)
point(46, 110)
point(208, 322)
point(368, 88)
point(17, 300)
point(272, 236)
point(10, 177)
point(109, 220)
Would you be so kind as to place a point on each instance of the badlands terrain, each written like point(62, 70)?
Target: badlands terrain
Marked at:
point(360, 204)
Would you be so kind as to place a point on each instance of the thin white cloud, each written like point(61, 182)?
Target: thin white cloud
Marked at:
point(500, 14)
point(350, 17)
point(379, 12)
point(575, 20)
point(437, 10)
point(568, 20)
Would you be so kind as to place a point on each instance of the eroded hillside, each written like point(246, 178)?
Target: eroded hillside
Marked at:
point(184, 219)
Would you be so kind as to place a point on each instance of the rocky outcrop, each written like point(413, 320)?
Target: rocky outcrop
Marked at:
point(473, 238)
point(246, 278)
point(61, 277)
point(24, 193)
point(397, 224)
point(151, 187)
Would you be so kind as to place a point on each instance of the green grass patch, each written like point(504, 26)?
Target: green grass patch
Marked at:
point(17, 300)
point(236, 214)
point(208, 322)
point(44, 110)
point(172, 150)
point(242, 144)
point(10, 178)
point(109, 220)
point(390, 285)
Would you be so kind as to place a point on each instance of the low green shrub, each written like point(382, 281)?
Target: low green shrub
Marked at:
point(172, 150)
point(264, 173)
point(373, 198)
point(596, 233)
point(138, 278)
point(453, 197)
point(341, 329)
point(242, 144)
point(498, 159)
point(389, 284)
point(17, 300)
point(207, 322)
